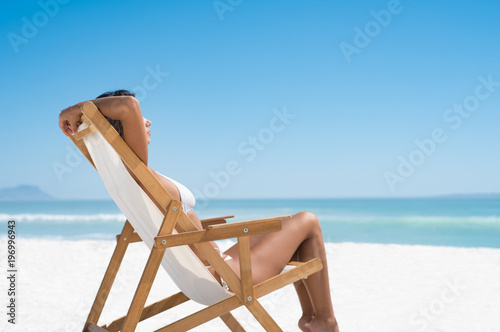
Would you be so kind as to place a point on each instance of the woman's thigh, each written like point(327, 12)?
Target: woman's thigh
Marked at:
point(271, 252)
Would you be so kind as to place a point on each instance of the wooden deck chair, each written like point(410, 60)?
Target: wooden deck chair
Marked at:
point(156, 219)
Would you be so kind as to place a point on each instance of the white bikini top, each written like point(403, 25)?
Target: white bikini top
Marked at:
point(187, 197)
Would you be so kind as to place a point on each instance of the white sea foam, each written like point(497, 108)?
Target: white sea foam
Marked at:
point(414, 219)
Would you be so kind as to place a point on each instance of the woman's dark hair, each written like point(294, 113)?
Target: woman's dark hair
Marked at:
point(117, 124)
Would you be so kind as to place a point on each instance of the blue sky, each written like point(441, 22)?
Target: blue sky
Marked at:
point(361, 82)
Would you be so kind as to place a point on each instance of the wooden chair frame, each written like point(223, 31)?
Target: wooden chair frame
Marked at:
point(245, 293)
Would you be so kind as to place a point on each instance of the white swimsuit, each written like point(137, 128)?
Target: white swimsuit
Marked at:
point(187, 197)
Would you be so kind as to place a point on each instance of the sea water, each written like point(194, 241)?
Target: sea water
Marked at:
point(447, 221)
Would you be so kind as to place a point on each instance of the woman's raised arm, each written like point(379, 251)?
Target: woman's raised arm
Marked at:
point(123, 108)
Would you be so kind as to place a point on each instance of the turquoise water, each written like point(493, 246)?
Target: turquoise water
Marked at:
point(464, 222)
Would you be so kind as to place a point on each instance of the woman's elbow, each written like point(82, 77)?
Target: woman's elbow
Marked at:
point(129, 105)
point(132, 103)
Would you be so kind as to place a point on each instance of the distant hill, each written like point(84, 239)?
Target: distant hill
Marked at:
point(24, 193)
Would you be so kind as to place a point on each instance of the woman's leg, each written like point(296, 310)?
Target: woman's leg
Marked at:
point(271, 253)
point(306, 305)
point(317, 285)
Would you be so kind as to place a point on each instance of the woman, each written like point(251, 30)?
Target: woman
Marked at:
point(300, 238)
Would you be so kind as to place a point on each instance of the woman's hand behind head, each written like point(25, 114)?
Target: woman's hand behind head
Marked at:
point(70, 119)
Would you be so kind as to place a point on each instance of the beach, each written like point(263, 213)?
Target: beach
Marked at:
point(375, 287)
point(362, 113)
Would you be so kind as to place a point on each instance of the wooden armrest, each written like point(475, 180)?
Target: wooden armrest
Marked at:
point(253, 221)
point(213, 221)
point(222, 231)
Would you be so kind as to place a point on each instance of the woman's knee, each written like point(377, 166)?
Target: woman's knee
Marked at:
point(311, 220)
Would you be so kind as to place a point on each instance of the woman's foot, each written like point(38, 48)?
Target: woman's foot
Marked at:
point(323, 325)
point(304, 322)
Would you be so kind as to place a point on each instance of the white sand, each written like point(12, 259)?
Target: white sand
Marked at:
point(374, 287)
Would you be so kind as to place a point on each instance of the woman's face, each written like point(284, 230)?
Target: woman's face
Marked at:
point(147, 123)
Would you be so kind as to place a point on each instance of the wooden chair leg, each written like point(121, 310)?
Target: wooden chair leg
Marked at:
point(141, 294)
point(148, 276)
point(95, 328)
point(109, 276)
point(263, 317)
point(232, 323)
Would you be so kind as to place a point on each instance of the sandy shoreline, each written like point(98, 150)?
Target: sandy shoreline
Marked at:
point(375, 287)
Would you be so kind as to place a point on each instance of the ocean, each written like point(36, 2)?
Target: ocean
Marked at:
point(446, 221)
